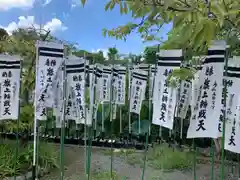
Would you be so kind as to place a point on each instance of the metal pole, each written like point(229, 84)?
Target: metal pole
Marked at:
point(18, 122)
point(149, 119)
point(111, 114)
point(35, 129)
point(103, 116)
point(90, 130)
point(63, 118)
point(224, 114)
point(120, 113)
point(85, 121)
point(129, 99)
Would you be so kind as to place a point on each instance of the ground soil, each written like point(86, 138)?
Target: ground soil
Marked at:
point(74, 162)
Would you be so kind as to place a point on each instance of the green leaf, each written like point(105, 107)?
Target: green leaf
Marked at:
point(221, 9)
point(141, 29)
point(104, 31)
point(107, 6)
point(83, 2)
point(121, 8)
point(112, 5)
point(125, 7)
point(233, 12)
point(149, 38)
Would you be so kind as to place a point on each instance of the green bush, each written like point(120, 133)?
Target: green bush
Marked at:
point(47, 158)
point(163, 157)
point(103, 175)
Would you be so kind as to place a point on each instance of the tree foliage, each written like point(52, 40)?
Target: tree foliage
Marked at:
point(22, 42)
point(112, 53)
point(195, 22)
point(150, 54)
point(97, 57)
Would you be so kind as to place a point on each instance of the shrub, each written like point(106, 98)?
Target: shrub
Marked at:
point(163, 157)
point(47, 158)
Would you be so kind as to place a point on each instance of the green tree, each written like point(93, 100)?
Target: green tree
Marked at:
point(195, 22)
point(3, 34)
point(150, 54)
point(97, 57)
point(22, 42)
point(112, 53)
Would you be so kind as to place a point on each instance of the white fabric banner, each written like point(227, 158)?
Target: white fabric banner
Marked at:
point(105, 87)
point(205, 117)
point(50, 57)
point(164, 96)
point(195, 86)
point(152, 75)
point(58, 98)
point(115, 83)
point(121, 85)
point(184, 99)
point(130, 70)
point(232, 130)
point(75, 70)
point(9, 86)
point(138, 89)
point(99, 72)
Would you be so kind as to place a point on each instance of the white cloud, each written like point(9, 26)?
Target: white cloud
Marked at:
point(105, 52)
point(9, 4)
point(78, 3)
point(75, 3)
point(55, 25)
point(46, 2)
point(29, 21)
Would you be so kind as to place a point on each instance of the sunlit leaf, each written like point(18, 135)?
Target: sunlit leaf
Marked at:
point(83, 2)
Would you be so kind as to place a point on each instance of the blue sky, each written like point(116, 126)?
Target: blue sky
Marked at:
point(73, 22)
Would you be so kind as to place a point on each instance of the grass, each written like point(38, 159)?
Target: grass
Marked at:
point(103, 175)
point(48, 158)
point(117, 152)
point(160, 157)
point(163, 157)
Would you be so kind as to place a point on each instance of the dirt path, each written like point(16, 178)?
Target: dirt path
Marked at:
point(74, 162)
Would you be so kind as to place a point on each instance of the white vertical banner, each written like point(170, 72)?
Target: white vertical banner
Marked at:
point(71, 112)
point(58, 98)
point(50, 57)
point(115, 83)
point(99, 72)
point(184, 99)
point(138, 89)
point(164, 96)
point(205, 117)
point(105, 87)
point(232, 130)
point(195, 86)
point(75, 70)
point(91, 74)
point(130, 69)
point(121, 86)
point(232, 81)
point(9, 86)
point(143, 67)
point(152, 74)
point(88, 117)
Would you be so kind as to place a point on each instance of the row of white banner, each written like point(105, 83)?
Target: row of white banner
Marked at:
point(204, 93)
